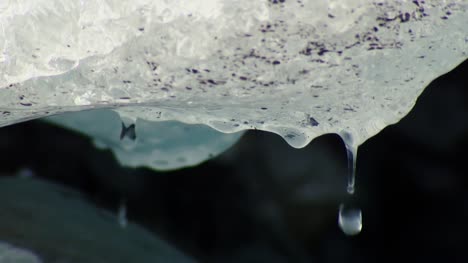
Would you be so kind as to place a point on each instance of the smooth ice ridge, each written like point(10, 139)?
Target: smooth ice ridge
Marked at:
point(296, 68)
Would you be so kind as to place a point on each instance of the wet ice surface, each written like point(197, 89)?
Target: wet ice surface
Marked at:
point(296, 68)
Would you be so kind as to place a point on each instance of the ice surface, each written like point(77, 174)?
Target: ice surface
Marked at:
point(296, 68)
point(162, 145)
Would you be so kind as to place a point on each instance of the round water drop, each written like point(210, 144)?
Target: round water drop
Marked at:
point(350, 220)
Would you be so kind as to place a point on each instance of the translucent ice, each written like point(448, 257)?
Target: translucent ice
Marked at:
point(296, 68)
point(162, 145)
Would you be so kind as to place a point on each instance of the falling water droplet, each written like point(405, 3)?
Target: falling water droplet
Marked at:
point(350, 220)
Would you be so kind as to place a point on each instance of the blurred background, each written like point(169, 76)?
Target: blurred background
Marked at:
point(264, 201)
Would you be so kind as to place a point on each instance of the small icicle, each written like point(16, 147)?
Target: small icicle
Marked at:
point(122, 215)
point(351, 152)
point(350, 219)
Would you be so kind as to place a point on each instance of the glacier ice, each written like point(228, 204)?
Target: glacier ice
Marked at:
point(296, 68)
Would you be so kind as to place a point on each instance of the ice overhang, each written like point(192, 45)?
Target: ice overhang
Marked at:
point(296, 68)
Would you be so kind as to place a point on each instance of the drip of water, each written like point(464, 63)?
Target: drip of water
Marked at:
point(350, 220)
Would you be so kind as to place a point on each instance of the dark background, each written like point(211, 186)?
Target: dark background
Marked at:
point(263, 201)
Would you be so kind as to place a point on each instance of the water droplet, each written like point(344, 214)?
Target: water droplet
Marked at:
point(350, 220)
